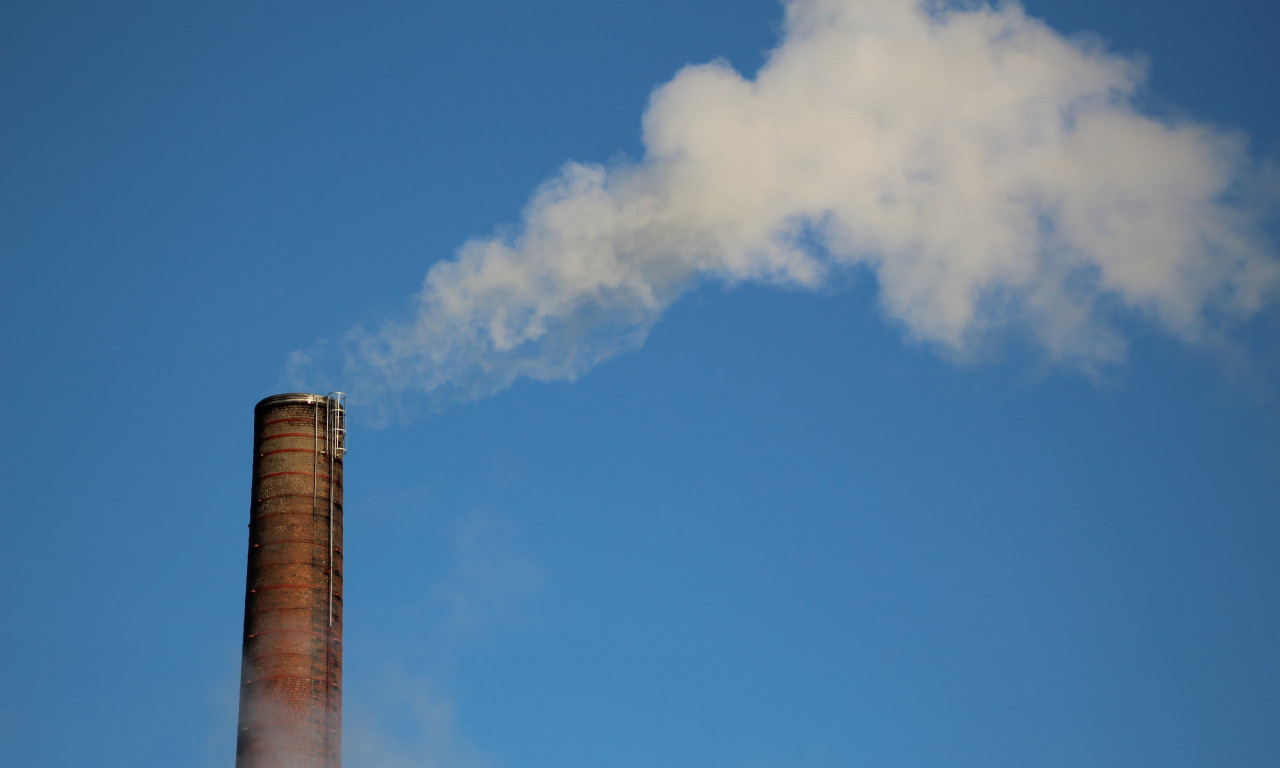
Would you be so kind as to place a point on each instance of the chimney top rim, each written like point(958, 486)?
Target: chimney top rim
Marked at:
point(303, 398)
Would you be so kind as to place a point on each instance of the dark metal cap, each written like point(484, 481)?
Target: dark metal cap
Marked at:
point(301, 398)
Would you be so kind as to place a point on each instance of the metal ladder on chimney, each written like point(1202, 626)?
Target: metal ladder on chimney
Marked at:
point(335, 434)
point(336, 424)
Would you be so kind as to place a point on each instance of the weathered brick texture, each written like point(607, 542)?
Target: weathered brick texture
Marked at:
point(291, 675)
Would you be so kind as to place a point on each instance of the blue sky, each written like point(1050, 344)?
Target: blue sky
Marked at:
point(800, 525)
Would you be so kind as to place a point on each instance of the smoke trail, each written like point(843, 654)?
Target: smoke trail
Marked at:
point(992, 175)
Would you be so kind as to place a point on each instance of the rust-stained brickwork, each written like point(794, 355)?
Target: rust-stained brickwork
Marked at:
point(291, 676)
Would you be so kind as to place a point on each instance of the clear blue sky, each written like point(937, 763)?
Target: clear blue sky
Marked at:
point(784, 532)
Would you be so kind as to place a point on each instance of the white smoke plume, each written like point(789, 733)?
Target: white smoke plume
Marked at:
point(993, 175)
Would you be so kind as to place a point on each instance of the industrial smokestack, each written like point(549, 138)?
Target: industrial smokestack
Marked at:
point(291, 674)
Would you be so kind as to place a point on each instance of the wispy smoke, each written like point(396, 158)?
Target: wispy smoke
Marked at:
point(994, 176)
point(407, 719)
point(410, 724)
point(491, 572)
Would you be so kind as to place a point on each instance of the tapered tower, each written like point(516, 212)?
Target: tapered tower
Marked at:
point(291, 673)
